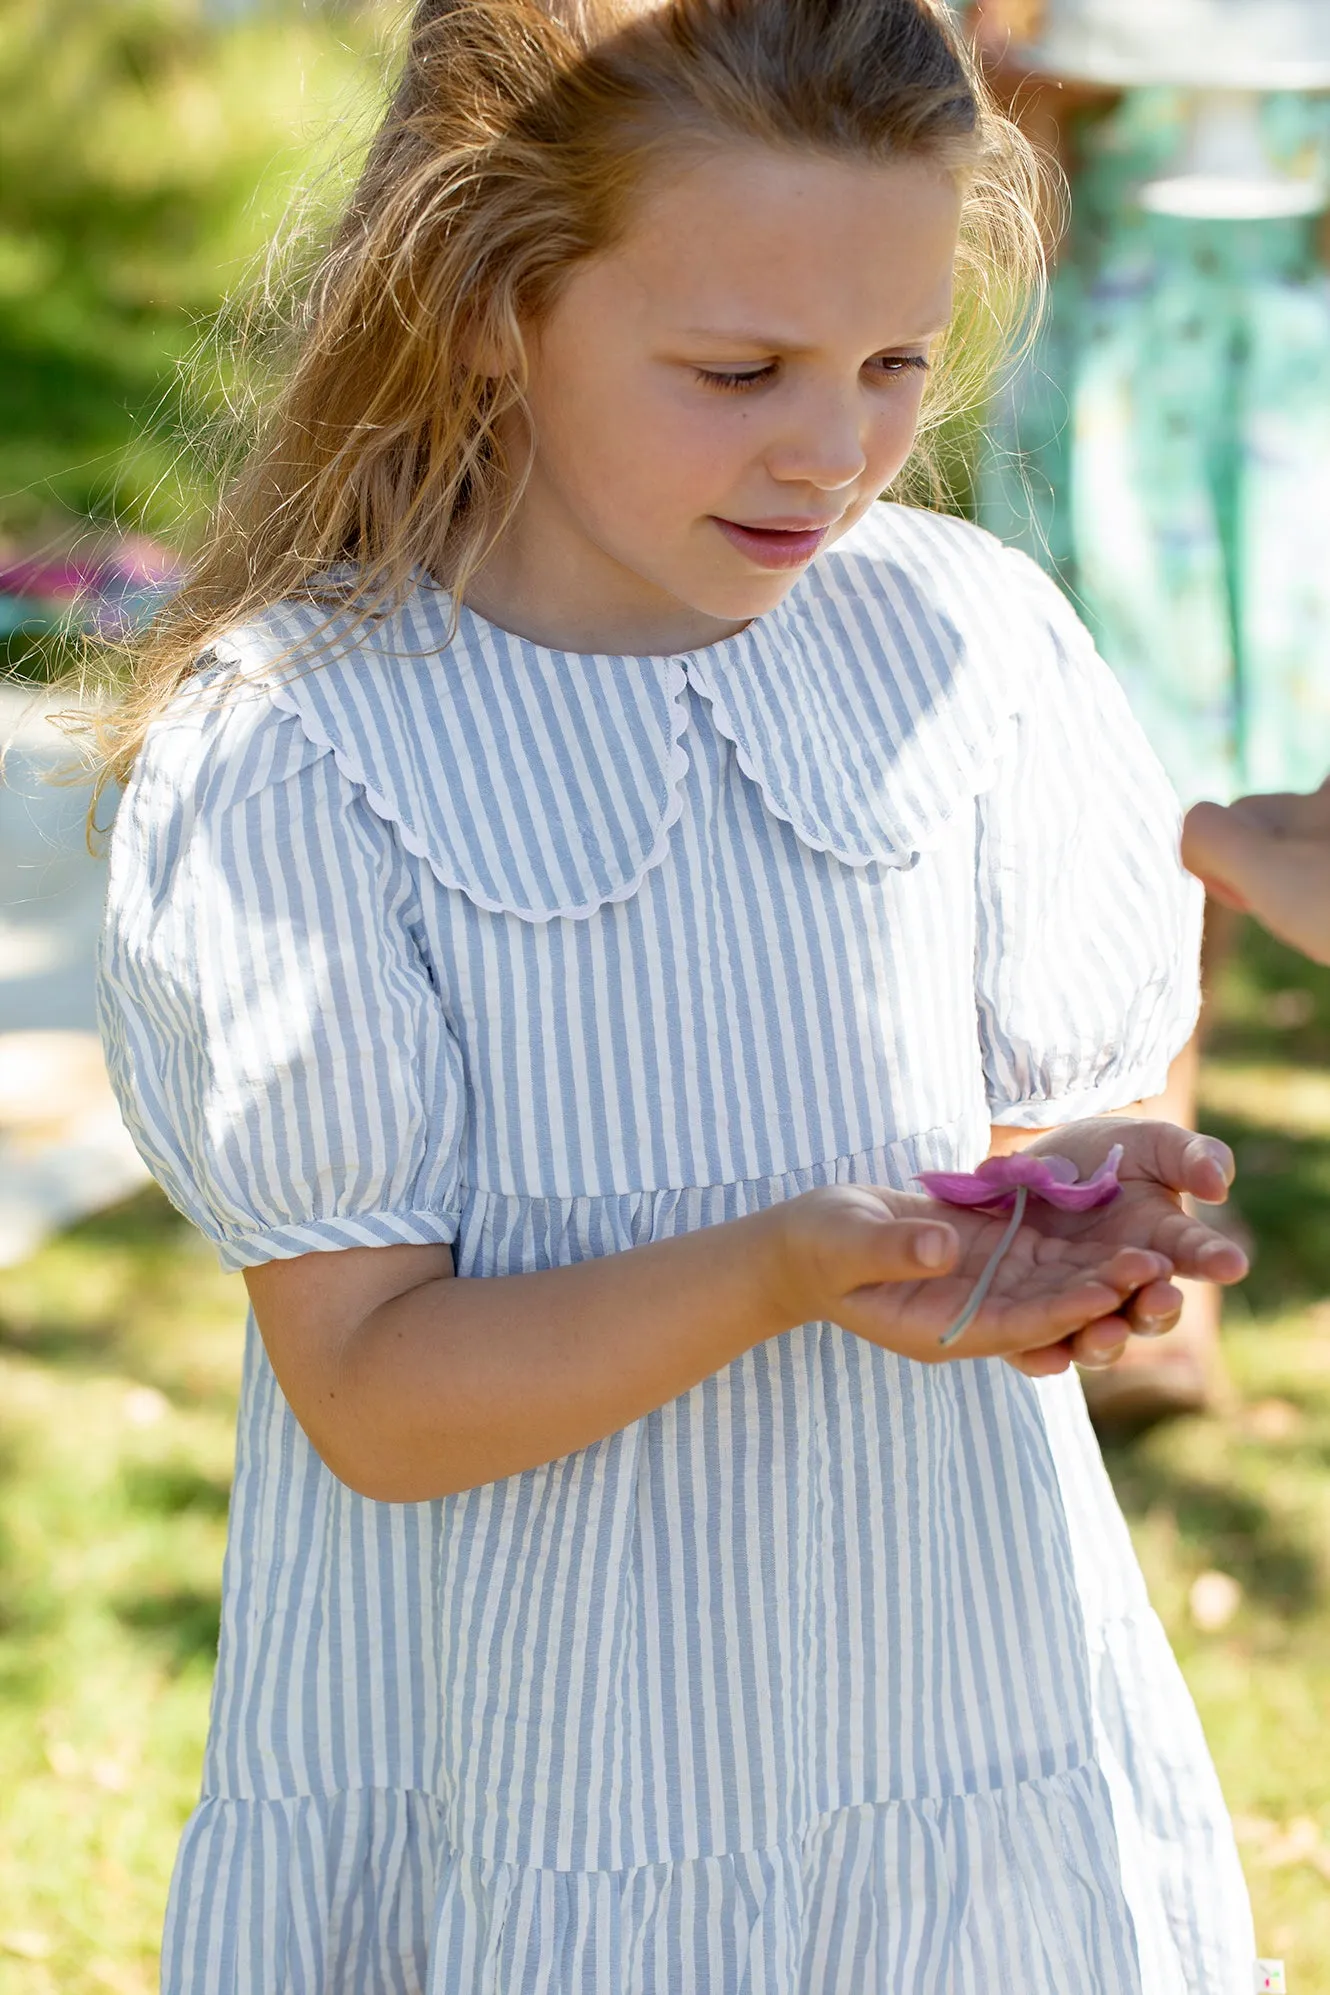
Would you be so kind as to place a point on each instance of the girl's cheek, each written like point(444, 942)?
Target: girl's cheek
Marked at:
point(708, 450)
point(895, 439)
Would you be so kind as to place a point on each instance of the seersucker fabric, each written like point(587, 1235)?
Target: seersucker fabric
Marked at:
point(836, 1674)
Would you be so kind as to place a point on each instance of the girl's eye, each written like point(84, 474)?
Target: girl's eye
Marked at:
point(900, 363)
point(733, 381)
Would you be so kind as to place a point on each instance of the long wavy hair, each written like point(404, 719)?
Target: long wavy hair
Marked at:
point(511, 151)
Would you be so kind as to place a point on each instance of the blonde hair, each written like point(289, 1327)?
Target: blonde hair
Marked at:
point(510, 152)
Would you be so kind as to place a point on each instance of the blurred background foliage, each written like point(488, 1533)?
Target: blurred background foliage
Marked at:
point(148, 148)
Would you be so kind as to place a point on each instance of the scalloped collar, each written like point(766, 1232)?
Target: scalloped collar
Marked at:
point(868, 708)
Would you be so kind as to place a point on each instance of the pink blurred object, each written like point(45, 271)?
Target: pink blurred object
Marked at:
point(996, 1183)
point(107, 593)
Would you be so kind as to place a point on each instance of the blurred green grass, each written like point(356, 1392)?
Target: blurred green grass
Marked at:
point(119, 1359)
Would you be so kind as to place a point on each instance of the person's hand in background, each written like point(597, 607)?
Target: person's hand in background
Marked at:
point(1269, 857)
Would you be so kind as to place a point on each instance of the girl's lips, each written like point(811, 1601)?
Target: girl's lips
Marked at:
point(773, 546)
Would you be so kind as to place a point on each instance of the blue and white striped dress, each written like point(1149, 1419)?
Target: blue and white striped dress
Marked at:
point(836, 1675)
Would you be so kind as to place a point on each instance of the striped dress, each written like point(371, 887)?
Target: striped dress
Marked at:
point(835, 1676)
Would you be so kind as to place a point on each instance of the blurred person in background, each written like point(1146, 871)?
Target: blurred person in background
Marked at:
point(1268, 856)
point(1165, 450)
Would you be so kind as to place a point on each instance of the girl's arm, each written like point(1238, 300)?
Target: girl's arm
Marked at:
point(412, 1384)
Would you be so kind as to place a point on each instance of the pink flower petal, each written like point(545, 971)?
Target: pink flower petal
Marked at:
point(1054, 1179)
point(965, 1188)
point(1101, 1189)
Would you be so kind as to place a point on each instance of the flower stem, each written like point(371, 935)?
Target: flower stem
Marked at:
point(979, 1293)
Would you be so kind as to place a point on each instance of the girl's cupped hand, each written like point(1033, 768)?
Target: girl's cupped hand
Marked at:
point(849, 1252)
point(1162, 1166)
point(1073, 1285)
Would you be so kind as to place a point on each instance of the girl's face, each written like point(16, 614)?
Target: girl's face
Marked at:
point(723, 394)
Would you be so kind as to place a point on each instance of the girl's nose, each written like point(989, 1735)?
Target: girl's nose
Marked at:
point(822, 446)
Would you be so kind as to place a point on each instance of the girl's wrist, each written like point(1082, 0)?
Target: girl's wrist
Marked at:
point(801, 1264)
point(786, 1285)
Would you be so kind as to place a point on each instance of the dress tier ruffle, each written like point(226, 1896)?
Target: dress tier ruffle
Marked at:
point(362, 1892)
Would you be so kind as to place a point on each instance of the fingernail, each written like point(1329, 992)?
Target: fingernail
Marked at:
point(930, 1247)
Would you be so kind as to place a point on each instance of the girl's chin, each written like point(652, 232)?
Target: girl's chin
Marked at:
point(736, 591)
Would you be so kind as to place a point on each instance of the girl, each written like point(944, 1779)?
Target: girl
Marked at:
point(587, 858)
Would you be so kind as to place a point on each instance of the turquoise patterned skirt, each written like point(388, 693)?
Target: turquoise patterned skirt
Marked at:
point(1165, 450)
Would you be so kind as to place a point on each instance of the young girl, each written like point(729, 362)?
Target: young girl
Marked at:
point(587, 858)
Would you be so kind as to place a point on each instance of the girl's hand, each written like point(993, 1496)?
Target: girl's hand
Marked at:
point(851, 1254)
point(1161, 1165)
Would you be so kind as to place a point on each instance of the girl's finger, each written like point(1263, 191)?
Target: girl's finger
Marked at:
point(1180, 1160)
point(1133, 1268)
point(1199, 1253)
point(1050, 1362)
point(1207, 1169)
point(932, 1248)
point(1220, 1260)
point(1100, 1344)
point(1096, 1347)
point(1154, 1309)
point(905, 1250)
point(1098, 1304)
point(1042, 1326)
point(1008, 1327)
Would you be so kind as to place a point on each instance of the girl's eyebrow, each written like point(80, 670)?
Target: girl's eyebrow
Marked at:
point(766, 342)
point(741, 336)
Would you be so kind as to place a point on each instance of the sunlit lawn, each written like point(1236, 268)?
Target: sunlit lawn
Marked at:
point(119, 1349)
point(119, 1355)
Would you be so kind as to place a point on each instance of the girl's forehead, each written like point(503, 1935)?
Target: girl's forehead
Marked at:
point(758, 242)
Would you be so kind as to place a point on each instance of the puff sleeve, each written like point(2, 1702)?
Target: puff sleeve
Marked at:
point(1088, 935)
point(272, 1030)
